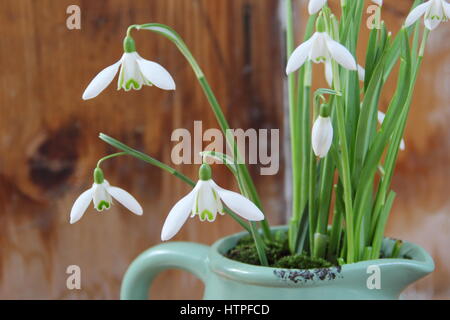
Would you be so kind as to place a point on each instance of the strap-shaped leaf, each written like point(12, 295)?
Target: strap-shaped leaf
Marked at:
point(385, 133)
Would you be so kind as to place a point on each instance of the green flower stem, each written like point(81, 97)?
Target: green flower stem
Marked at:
point(242, 168)
point(312, 210)
point(260, 246)
point(367, 255)
point(396, 250)
point(320, 245)
point(146, 158)
point(300, 130)
point(119, 154)
point(345, 174)
point(336, 227)
point(142, 156)
point(381, 224)
point(293, 118)
point(305, 140)
point(343, 158)
point(325, 192)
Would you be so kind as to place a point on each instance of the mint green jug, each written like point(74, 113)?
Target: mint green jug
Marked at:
point(229, 279)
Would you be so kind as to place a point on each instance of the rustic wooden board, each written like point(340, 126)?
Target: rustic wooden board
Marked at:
point(49, 143)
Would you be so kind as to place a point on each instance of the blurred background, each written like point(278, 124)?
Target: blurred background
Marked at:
point(49, 144)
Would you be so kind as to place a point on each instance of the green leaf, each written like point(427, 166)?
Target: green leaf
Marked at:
point(381, 225)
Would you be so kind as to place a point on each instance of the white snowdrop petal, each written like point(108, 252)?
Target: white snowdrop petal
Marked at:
point(100, 196)
point(156, 74)
point(130, 76)
point(381, 116)
point(314, 6)
point(299, 56)
point(322, 136)
point(126, 199)
point(432, 24)
point(341, 54)
point(361, 73)
point(416, 13)
point(177, 216)
point(378, 2)
point(402, 145)
point(446, 9)
point(101, 81)
point(80, 206)
point(319, 51)
point(239, 204)
point(205, 202)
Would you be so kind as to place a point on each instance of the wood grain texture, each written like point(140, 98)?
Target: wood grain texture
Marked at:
point(49, 144)
point(49, 141)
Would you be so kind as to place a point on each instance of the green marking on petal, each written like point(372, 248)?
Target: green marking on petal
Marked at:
point(196, 204)
point(103, 205)
point(207, 215)
point(120, 83)
point(132, 83)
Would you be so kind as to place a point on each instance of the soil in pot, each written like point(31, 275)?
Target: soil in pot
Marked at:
point(278, 254)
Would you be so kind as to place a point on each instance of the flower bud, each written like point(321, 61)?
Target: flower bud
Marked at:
point(322, 136)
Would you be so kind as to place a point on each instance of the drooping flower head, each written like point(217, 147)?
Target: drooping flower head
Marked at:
point(135, 72)
point(101, 194)
point(320, 48)
point(205, 201)
point(322, 133)
point(434, 12)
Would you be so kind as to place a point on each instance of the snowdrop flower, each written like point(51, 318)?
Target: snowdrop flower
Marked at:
point(205, 200)
point(322, 135)
point(101, 194)
point(315, 6)
point(378, 2)
point(329, 73)
point(320, 48)
point(381, 116)
point(434, 11)
point(134, 73)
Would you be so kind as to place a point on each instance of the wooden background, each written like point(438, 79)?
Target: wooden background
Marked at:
point(49, 144)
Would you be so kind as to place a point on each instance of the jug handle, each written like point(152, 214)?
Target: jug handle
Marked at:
point(188, 256)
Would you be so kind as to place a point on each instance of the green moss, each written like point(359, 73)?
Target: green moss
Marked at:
point(301, 262)
point(278, 254)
